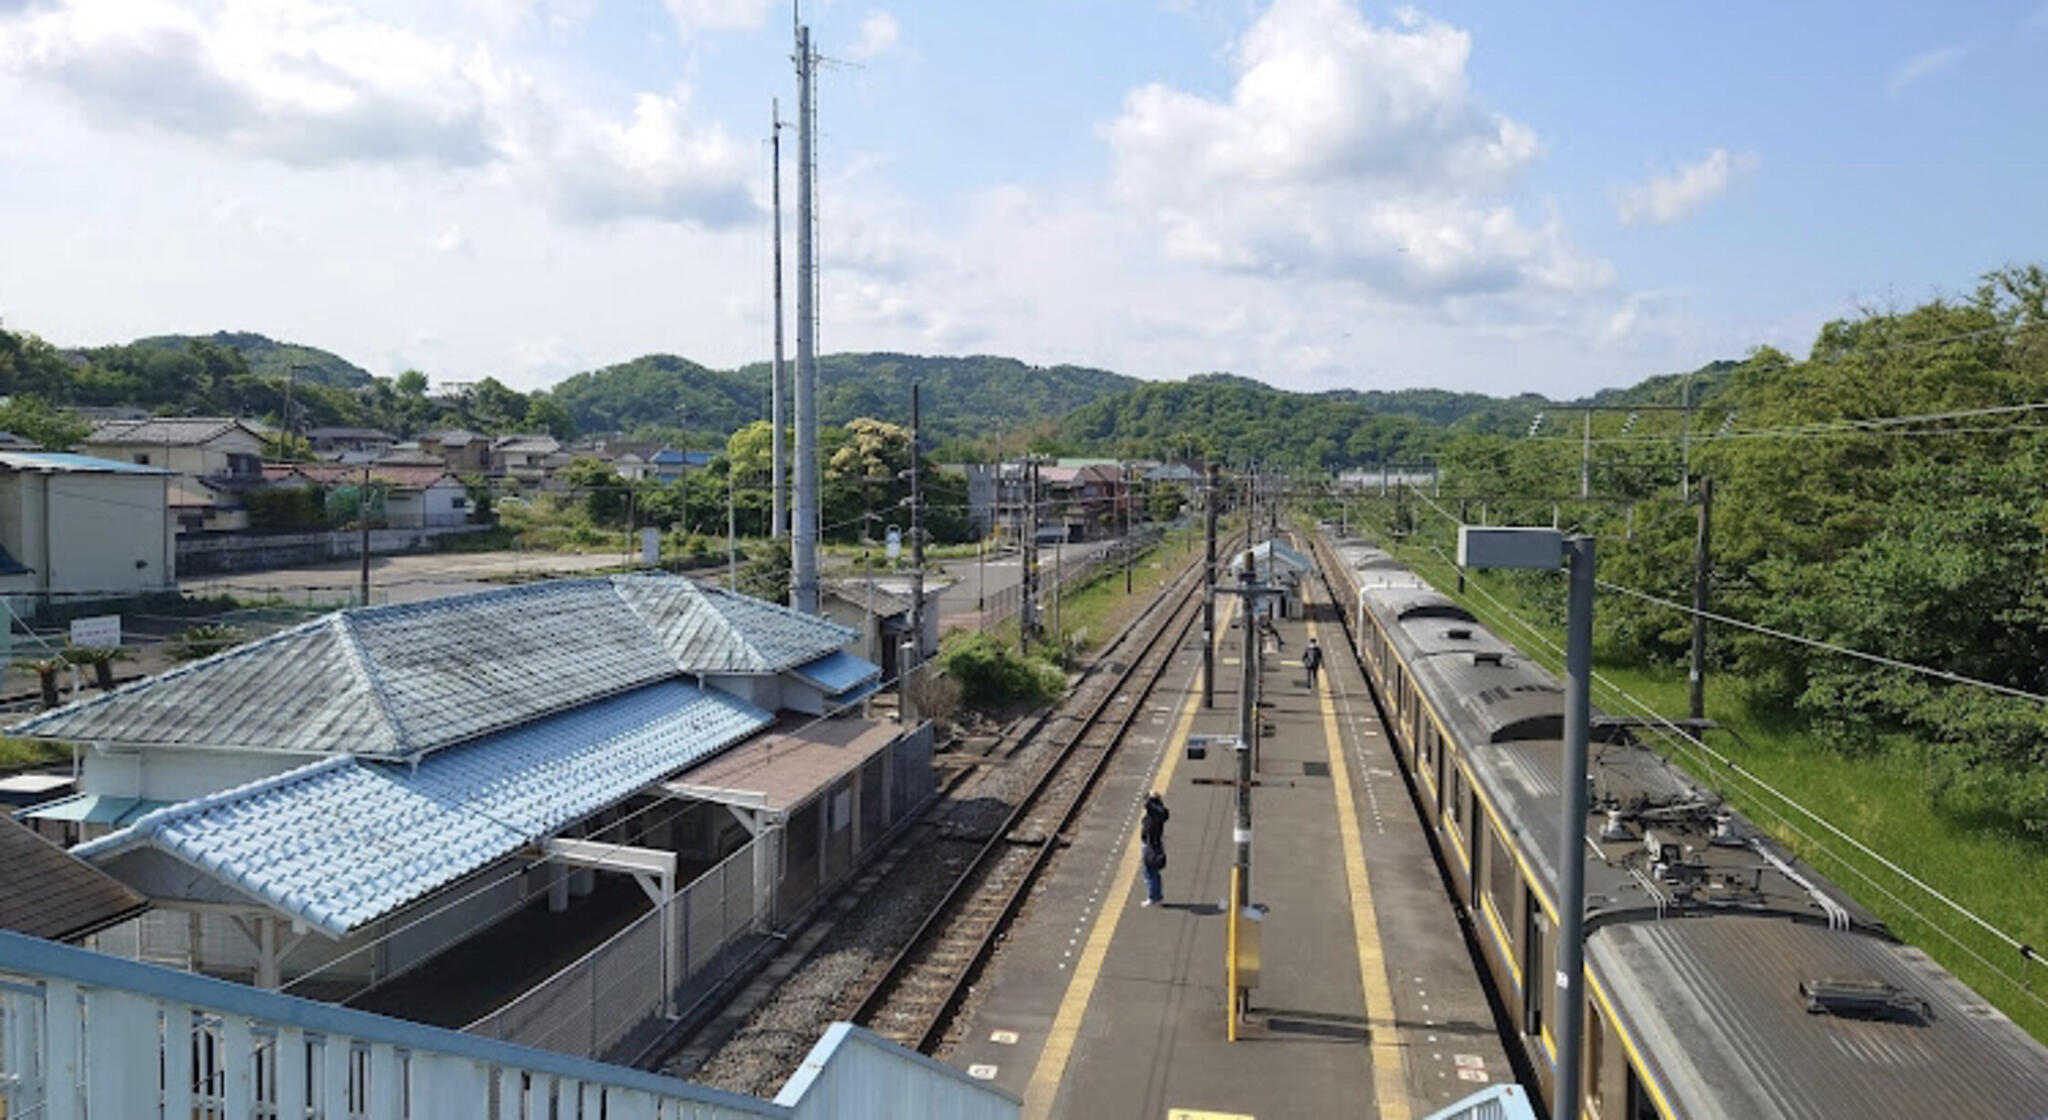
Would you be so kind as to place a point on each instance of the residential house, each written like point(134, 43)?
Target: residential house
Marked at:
point(352, 445)
point(11, 442)
point(414, 497)
point(461, 450)
point(877, 609)
point(214, 457)
point(76, 527)
point(669, 465)
point(981, 494)
point(527, 458)
point(348, 799)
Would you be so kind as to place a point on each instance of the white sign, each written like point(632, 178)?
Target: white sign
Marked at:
point(895, 547)
point(650, 546)
point(100, 632)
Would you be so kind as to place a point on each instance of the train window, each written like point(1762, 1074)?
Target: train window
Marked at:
point(1500, 877)
point(1596, 1047)
point(1534, 975)
point(1640, 1106)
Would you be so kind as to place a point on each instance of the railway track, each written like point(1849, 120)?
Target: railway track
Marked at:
point(915, 998)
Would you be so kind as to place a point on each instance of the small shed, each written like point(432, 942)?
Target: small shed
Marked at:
point(1276, 565)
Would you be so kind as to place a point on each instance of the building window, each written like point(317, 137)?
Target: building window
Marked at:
point(141, 457)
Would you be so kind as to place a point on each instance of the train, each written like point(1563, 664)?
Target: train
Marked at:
point(1723, 977)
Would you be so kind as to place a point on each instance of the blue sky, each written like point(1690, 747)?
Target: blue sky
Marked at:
point(1486, 196)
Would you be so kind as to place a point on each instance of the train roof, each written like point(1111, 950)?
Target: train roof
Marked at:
point(1719, 1011)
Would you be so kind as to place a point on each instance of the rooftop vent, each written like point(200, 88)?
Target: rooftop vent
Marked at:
point(1490, 657)
point(1862, 999)
point(1458, 634)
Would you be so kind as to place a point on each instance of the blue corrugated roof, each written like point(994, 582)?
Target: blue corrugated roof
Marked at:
point(838, 671)
point(65, 461)
point(342, 842)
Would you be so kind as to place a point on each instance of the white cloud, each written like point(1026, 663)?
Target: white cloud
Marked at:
point(313, 84)
point(693, 16)
point(453, 241)
point(879, 34)
point(1923, 65)
point(1347, 150)
point(1668, 198)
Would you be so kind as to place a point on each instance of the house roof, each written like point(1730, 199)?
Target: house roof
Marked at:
point(399, 680)
point(176, 431)
point(450, 437)
point(887, 599)
point(838, 672)
point(341, 842)
point(12, 442)
point(47, 892)
point(390, 474)
point(527, 443)
point(1270, 557)
point(57, 462)
point(374, 434)
point(785, 769)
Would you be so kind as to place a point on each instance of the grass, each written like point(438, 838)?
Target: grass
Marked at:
point(1880, 798)
point(22, 754)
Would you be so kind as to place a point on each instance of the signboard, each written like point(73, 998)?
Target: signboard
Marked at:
point(650, 546)
point(98, 632)
point(895, 543)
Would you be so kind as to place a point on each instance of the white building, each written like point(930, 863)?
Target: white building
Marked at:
point(214, 457)
point(75, 527)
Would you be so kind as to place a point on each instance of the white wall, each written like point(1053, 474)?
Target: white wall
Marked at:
point(107, 533)
point(163, 774)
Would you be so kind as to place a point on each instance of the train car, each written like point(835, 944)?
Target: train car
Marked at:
point(1724, 978)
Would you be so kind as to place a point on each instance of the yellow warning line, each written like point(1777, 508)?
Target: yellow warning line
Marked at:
point(1389, 1079)
point(1066, 1023)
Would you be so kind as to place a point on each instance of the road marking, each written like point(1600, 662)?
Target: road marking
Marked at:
point(1066, 1023)
point(1194, 1114)
point(1003, 1038)
point(1389, 1079)
point(982, 1073)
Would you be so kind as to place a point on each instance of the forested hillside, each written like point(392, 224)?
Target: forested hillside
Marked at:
point(964, 397)
point(1238, 419)
point(266, 357)
point(1887, 493)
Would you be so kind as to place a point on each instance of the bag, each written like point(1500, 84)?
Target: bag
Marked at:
point(1155, 857)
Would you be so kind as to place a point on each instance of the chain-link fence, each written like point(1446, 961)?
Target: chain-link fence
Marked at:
point(1054, 579)
point(594, 1005)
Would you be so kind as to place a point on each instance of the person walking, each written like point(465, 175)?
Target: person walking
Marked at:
point(1153, 834)
point(1312, 660)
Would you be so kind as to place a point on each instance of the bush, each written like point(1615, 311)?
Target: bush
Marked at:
point(992, 674)
point(205, 641)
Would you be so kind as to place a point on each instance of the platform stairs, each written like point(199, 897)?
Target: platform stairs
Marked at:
point(1501, 1102)
point(86, 1036)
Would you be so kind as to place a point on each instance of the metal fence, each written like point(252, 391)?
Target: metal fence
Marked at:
point(1054, 579)
point(593, 1006)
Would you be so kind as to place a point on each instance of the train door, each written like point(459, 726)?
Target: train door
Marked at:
point(1476, 836)
point(1640, 1105)
point(1535, 973)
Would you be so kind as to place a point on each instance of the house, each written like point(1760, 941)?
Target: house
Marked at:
point(461, 450)
point(356, 445)
point(199, 447)
point(413, 496)
point(528, 458)
point(632, 460)
point(11, 442)
point(75, 527)
point(981, 494)
point(214, 457)
point(348, 799)
point(877, 609)
point(669, 465)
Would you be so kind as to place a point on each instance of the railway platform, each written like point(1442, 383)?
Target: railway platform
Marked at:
point(1368, 1004)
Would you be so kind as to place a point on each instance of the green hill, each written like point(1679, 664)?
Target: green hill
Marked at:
point(964, 397)
point(267, 357)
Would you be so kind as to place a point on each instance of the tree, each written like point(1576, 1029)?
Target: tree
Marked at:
point(33, 419)
point(604, 492)
point(545, 414)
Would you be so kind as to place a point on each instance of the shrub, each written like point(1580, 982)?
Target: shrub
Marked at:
point(992, 674)
point(204, 641)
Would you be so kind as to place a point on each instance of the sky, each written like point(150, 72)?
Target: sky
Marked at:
point(1496, 196)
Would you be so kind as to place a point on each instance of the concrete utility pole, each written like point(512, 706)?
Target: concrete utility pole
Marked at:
point(363, 516)
point(1027, 602)
point(804, 534)
point(1215, 498)
point(1571, 938)
point(916, 541)
point(1702, 567)
point(732, 533)
point(778, 456)
point(1129, 493)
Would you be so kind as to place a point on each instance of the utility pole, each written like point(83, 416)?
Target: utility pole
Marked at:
point(1214, 498)
point(1586, 458)
point(1128, 519)
point(1696, 680)
point(916, 540)
point(732, 533)
point(804, 535)
point(1027, 602)
point(778, 456)
point(363, 516)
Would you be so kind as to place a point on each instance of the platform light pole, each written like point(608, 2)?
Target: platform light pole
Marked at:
point(1480, 547)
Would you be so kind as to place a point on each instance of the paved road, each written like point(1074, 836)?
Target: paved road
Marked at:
point(972, 578)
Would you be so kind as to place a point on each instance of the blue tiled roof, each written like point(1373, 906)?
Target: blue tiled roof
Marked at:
point(399, 680)
point(61, 461)
point(341, 842)
point(838, 671)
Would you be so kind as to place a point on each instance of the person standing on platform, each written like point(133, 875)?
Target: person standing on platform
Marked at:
point(1312, 660)
point(1153, 833)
